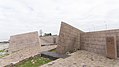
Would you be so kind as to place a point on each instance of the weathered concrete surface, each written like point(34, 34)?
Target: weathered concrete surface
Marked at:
point(23, 54)
point(48, 40)
point(69, 39)
point(21, 41)
point(84, 59)
point(96, 41)
point(111, 47)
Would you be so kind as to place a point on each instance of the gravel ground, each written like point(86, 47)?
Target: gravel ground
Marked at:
point(84, 59)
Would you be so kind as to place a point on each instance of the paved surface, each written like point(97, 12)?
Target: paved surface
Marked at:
point(23, 54)
point(84, 59)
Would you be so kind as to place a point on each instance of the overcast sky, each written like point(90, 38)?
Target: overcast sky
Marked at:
point(21, 16)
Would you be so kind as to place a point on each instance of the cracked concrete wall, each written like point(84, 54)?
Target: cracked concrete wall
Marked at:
point(69, 39)
point(21, 41)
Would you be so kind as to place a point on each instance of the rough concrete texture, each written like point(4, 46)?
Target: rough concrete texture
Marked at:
point(47, 40)
point(23, 54)
point(84, 59)
point(21, 41)
point(111, 47)
point(96, 41)
point(69, 39)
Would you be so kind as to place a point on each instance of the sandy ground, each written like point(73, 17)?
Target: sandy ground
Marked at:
point(23, 54)
point(3, 46)
point(84, 59)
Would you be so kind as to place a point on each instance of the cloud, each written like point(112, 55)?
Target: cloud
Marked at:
point(19, 16)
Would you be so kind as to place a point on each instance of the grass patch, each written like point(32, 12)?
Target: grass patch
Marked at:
point(1, 56)
point(34, 62)
point(2, 50)
point(53, 50)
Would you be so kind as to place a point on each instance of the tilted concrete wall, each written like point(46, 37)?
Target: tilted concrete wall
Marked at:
point(69, 39)
point(21, 41)
point(48, 40)
point(96, 41)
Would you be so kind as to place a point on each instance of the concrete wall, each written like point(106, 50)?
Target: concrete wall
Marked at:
point(69, 38)
point(21, 41)
point(96, 41)
point(48, 40)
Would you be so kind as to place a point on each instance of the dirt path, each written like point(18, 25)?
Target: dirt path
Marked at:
point(84, 59)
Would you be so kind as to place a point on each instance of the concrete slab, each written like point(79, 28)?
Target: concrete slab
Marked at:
point(111, 47)
point(53, 55)
point(21, 41)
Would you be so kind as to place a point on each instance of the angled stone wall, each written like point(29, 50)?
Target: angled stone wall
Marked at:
point(69, 38)
point(96, 41)
point(21, 41)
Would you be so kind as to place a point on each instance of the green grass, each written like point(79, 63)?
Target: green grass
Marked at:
point(2, 50)
point(53, 50)
point(34, 62)
point(1, 56)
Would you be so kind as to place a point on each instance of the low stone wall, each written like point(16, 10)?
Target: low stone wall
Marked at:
point(47, 40)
